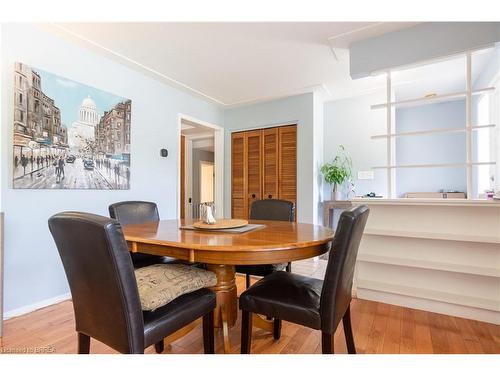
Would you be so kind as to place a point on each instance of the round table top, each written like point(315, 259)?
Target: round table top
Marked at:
point(277, 241)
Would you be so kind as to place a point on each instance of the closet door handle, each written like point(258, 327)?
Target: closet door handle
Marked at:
point(253, 195)
point(270, 196)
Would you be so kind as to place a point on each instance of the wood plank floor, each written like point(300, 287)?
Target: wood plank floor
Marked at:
point(378, 328)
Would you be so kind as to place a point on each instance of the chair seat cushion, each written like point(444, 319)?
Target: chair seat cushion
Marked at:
point(287, 296)
point(159, 284)
point(260, 269)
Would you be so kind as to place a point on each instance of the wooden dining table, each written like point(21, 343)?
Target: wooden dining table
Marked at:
point(274, 242)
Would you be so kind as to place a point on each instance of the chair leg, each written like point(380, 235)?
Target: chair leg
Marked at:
point(246, 331)
point(248, 280)
point(277, 329)
point(208, 333)
point(160, 347)
point(349, 338)
point(289, 267)
point(83, 343)
point(327, 343)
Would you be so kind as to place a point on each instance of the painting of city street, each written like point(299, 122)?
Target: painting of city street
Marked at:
point(68, 135)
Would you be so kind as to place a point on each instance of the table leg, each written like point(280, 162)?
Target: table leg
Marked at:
point(225, 330)
point(226, 312)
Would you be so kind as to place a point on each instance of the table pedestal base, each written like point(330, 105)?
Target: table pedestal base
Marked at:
point(226, 312)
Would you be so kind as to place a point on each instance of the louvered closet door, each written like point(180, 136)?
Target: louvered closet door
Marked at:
point(253, 146)
point(238, 170)
point(270, 163)
point(287, 163)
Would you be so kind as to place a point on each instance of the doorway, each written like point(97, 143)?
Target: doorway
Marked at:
point(201, 166)
point(207, 181)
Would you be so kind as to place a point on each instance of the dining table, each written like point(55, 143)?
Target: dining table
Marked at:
point(271, 243)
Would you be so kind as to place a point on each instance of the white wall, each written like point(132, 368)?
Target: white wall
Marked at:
point(318, 151)
point(298, 110)
point(351, 122)
point(33, 271)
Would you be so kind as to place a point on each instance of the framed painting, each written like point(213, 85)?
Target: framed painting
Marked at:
point(68, 135)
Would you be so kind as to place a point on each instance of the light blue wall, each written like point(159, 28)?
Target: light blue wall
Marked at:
point(33, 271)
point(431, 149)
point(351, 122)
point(291, 110)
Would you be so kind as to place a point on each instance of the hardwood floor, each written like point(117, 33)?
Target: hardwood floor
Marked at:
point(378, 328)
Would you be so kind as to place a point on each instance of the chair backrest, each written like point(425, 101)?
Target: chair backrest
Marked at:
point(272, 209)
point(101, 278)
point(134, 212)
point(337, 286)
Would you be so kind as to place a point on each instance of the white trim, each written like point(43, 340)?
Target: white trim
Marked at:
point(468, 124)
point(425, 304)
point(430, 294)
point(436, 131)
point(436, 165)
point(218, 160)
point(457, 237)
point(35, 306)
point(432, 99)
point(430, 264)
point(188, 179)
point(390, 151)
point(428, 201)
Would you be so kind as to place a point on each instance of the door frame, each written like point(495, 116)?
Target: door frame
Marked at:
point(218, 161)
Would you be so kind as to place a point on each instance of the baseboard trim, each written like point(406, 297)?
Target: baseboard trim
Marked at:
point(439, 307)
point(36, 306)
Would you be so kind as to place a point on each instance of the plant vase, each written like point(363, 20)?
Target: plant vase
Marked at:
point(336, 196)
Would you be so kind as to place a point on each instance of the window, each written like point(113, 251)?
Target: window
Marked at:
point(442, 134)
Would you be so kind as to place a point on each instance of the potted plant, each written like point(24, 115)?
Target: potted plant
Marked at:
point(338, 172)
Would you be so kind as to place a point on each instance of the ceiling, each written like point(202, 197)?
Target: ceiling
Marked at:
point(238, 63)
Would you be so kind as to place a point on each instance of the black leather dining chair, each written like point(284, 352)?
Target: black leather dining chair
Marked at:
point(104, 290)
point(268, 209)
point(137, 212)
point(307, 301)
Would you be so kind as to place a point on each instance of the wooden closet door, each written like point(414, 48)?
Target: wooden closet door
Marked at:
point(238, 170)
point(287, 161)
point(253, 146)
point(270, 171)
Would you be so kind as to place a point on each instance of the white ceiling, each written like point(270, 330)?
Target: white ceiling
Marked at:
point(236, 63)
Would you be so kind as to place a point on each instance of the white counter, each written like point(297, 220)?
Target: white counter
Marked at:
point(432, 254)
